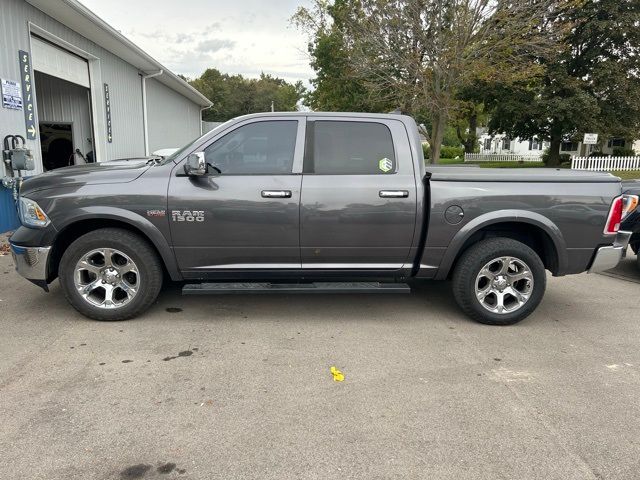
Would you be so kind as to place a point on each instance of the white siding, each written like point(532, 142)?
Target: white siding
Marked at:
point(13, 37)
point(123, 79)
point(516, 146)
point(164, 106)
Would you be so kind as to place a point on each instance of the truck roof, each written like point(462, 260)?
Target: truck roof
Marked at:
point(328, 114)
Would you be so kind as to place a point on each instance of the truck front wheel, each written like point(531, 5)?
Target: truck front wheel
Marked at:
point(110, 274)
point(499, 281)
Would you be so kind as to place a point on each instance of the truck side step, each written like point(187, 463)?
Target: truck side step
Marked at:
point(225, 288)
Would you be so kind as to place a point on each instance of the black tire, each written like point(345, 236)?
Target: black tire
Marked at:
point(135, 247)
point(479, 255)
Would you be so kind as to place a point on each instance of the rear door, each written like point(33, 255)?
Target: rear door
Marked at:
point(358, 204)
point(247, 217)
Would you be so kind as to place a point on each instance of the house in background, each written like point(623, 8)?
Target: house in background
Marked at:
point(605, 145)
point(501, 144)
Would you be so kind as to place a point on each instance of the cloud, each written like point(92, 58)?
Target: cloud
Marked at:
point(246, 37)
point(183, 38)
point(214, 45)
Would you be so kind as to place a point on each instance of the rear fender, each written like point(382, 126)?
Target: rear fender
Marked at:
point(500, 216)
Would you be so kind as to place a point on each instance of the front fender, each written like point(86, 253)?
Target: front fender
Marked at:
point(501, 216)
point(146, 228)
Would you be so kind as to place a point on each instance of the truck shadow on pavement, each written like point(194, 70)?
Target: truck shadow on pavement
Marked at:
point(628, 269)
point(428, 301)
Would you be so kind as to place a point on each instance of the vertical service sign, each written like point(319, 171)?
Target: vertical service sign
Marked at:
point(107, 107)
point(28, 94)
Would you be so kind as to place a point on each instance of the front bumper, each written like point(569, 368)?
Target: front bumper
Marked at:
point(31, 263)
point(608, 257)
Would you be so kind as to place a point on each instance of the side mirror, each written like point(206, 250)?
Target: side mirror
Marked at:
point(196, 165)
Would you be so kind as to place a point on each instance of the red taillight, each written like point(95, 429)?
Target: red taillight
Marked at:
point(615, 217)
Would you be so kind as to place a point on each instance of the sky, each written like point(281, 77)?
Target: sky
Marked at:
point(188, 36)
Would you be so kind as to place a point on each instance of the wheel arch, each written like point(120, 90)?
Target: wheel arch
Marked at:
point(108, 217)
point(530, 228)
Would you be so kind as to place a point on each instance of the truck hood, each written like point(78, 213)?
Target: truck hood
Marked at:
point(116, 171)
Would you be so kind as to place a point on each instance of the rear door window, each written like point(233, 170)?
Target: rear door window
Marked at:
point(349, 148)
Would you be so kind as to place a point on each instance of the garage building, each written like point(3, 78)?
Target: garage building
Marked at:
point(79, 91)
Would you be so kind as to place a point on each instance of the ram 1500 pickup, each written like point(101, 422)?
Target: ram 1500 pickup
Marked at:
point(312, 203)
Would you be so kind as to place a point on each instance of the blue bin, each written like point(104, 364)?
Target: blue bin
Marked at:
point(8, 214)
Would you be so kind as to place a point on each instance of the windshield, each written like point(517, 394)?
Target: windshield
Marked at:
point(178, 153)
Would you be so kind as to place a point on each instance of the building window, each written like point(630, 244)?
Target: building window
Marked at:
point(569, 146)
point(506, 143)
point(535, 144)
point(616, 142)
point(487, 144)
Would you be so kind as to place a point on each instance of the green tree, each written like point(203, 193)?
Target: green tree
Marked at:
point(417, 54)
point(468, 115)
point(591, 84)
point(234, 95)
point(337, 85)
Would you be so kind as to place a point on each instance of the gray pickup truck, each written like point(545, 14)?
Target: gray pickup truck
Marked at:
point(312, 203)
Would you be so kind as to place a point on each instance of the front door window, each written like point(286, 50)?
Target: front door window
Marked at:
point(260, 148)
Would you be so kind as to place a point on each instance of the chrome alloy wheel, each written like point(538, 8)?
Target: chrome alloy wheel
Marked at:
point(504, 285)
point(106, 278)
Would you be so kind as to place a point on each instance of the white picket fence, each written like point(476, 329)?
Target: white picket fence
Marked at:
point(605, 163)
point(501, 157)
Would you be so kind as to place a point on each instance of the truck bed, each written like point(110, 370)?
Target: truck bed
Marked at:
point(529, 175)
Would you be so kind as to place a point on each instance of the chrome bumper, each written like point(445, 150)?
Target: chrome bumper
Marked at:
point(608, 257)
point(31, 262)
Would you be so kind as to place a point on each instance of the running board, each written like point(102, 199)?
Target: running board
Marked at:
point(227, 288)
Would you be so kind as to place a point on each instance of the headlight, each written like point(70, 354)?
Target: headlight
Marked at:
point(31, 215)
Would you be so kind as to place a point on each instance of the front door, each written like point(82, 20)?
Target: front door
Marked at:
point(247, 216)
point(358, 206)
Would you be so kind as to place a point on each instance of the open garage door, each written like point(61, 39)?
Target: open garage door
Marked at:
point(60, 63)
point(64, 107)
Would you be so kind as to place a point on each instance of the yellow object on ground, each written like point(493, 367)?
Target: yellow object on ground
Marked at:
point(338, 376)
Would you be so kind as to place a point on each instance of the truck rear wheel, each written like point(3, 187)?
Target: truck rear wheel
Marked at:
point(499, 281)
point(110, 274)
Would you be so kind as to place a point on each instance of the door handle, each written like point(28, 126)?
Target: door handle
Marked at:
point(394, 193)
point(276, 193)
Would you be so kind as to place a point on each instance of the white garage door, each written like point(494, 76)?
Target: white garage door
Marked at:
point(59, 63)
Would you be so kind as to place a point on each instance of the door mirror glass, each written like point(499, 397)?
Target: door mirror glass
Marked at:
point(196, 165)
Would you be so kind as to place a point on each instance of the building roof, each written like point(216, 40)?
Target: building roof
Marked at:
point(79, 18)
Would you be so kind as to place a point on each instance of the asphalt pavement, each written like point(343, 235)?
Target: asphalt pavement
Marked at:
point(239, 387)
